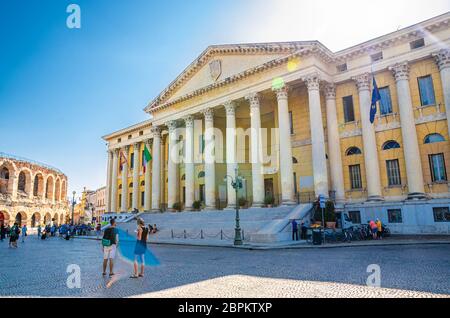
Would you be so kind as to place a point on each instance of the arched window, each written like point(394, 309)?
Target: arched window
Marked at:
point(201, 174)
point(4, 173)
point(183, 177)
point(142, 183)
point(22, 181)
point(294, 160)
point(120, 187)
point(432, 138)
point(4, 180)
point(353, 151)
point(391, 144)
point(130, 185)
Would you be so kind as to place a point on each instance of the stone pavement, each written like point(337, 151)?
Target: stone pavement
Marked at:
point(38, 268)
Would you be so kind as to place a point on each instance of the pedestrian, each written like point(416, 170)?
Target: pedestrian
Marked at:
point(294, 230)
point(304, 230)
point(99, 230)
point(374, 229)
point(39, 231)
point(8, 231)
point(140, 248)
point(14, 235)
point(109, 242)
point(24, 232)
point(2, 232)
point(379, 229)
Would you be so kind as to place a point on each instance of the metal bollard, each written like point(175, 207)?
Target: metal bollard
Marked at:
point(221, 235)
point(243, 236)
point(201, 234)
point(172, 234)
point(185, 234)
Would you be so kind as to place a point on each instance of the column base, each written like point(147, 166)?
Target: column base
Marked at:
point(375, 198)
point(288, 203)
point(210, 208)
point(155, 211)
point(417, 196)
point(230, 207)
point(257, 205)
point(189, 209)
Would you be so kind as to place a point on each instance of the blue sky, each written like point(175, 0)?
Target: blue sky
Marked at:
point(62, 89)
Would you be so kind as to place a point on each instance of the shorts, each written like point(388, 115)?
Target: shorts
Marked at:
point(374, 230)
point(139, 258)
point(109, 252)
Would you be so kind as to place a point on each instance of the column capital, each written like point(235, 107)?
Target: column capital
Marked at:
point(189, 121)
point(230, 108)
point(209, 114)
point(253, 99)
point(282, 92)
point(442, 58)
point(400, 71)
point(126, 147)
point(362, 81)
point(172, 125)
point(156, 131)
point(116, 151)
point(312, 81)
point(330, 91)
point(136, 145)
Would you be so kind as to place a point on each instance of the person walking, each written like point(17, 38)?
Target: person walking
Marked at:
point(24, 232)
point(14, 235)
point(374, 229)
point(294, 230)
point(379, 229)
point(39, 231)
point(2, 232)
point(140, 248)
point(98, 230)
point(109, 242)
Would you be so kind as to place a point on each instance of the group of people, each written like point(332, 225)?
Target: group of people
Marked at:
point(376, 227)
point(110, 241)
point(13, 233)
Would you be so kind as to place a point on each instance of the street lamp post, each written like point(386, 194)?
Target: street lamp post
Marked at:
point(236, 183)
point(73, 206)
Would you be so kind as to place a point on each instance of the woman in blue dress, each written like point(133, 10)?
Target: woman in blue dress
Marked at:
point(140, 248)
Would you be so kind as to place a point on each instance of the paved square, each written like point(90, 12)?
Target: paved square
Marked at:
point(38, 268)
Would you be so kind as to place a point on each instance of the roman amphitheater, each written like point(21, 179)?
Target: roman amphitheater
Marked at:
point(31, 193)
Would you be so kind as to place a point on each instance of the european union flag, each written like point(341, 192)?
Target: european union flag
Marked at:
point(376, 97)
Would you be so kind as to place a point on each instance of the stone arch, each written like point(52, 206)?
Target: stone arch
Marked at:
point(55, 219)
point(21, 218)
point(63, 190)
point(5, 217)
point(58, 190)
point(38, 185)
point(7, 174)
point(49, 187)
point(24, 181)
point(61, 219)
point(47, 219)
point(35, 219)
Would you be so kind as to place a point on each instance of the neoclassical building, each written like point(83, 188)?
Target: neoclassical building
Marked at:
point(31, 193)
point(294, 119)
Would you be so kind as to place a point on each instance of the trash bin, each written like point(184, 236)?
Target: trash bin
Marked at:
point(317, 237)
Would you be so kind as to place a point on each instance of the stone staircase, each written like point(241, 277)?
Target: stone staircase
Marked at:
point(212, 225)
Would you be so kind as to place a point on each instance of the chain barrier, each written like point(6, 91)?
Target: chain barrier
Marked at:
point(204, 235)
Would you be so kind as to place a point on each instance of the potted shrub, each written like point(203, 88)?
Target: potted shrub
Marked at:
point(330, 215)
point(177, 207)
point(197, 205)
point(242, 202)
point(269, 201)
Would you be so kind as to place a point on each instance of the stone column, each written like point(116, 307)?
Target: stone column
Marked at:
point(369, 139)
point(163, 171)
point(443, 61)
point(115, 165)
point(210, 161)
point(230, 109)
point(123, 205)
point(256, 150)
point(108, 181)
point(156, 170)
point(172, 187)
point(148, 182)
point(189, 162)
point(286, 168)
point(334, 145)
point(136, 167)
point(409, 133)
point(319, 157)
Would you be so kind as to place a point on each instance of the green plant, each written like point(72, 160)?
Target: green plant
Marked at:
point(177, 206)
point(242, 202)
point(197, 205)
point(330, 215)
point(269, 200)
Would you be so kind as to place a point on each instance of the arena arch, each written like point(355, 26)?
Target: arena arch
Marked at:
point(63, 190)
point(49, 187)
point(58, 190)
point(5, 217)
point(21, 218)
point(38, 185)
point(24, 181)
point(55, 219)
point(47, 219)
point(7, 172)
point(35, 219)
point(61, 219)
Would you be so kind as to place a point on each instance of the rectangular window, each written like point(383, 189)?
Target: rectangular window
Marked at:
point(291, 123)
point(395, 216)
point(132, 161)
point(355, 216)
point(437, 167)
point(349, 114)
point(417, 44)
point(342, 67)
point(130, 200)
point(426, 91)
point(142, 198)
point(376, 57)
point(386, 102)
point(355, 176)
point(441, 214)
point(393, 172)
point(201, 144)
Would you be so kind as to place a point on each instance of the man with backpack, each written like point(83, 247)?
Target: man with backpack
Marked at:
point(109, 242)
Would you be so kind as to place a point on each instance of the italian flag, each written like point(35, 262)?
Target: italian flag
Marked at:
point(147, 158)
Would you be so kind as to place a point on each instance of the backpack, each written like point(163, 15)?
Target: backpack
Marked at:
point(108, 237)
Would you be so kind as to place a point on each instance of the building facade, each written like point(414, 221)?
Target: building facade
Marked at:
point(294, 119)
point(31, 193)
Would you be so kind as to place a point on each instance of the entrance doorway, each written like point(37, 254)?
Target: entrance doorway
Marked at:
point(202, 193)
point(268, 188)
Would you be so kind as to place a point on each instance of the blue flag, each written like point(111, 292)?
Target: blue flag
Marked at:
point(376, 97)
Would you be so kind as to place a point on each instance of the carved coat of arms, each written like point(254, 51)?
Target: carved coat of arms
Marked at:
point(215, 69)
